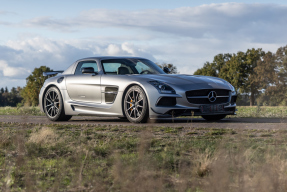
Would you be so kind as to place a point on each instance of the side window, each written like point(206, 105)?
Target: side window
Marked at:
point(111, 68)
point(117, 68)
point(84, 64)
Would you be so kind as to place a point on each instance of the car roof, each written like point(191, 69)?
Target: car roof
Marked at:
point(110, 57)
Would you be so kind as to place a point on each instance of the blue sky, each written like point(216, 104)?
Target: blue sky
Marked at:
point(185, 33)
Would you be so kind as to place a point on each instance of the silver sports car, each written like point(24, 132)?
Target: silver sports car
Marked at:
point(133, 88)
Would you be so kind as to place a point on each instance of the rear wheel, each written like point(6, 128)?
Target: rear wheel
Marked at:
point(53, 105)
point(136, 105)
point(213, 117)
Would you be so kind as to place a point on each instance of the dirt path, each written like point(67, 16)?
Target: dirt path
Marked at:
point(234, 123)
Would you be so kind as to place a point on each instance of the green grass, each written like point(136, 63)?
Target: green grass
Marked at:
point(117, 158)
point(34, 111)
point(262, 111)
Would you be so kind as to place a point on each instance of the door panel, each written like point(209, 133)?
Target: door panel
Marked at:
point(84, 87)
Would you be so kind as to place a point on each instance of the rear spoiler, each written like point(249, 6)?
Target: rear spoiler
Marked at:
point(49, 73)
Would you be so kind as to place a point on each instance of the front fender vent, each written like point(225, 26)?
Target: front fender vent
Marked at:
point(110, 94)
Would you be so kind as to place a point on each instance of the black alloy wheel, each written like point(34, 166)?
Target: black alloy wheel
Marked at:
point(53, 105)
point(136, 105)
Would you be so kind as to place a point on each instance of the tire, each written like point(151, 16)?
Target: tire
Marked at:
point(53, 105)
point(213, 117)
point(135, 105)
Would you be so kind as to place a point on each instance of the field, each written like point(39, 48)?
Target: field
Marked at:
point(116, 158)
point(94, 157)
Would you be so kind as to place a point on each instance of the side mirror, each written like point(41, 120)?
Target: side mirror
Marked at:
point(88, 70)
point(166, 70)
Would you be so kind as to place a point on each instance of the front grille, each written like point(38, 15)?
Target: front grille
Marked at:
point(204, 92)
point(201, 96)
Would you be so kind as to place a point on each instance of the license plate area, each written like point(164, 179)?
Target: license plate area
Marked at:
point(211, 108)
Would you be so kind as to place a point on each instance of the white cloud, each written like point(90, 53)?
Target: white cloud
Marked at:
point(253, 22)
point(16, 72)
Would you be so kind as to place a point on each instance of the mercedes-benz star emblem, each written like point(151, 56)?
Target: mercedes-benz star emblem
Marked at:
point(212, 96)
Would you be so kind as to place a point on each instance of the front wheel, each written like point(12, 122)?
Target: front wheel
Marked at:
point(136, 105)
point(53, 105)
point(213, 117)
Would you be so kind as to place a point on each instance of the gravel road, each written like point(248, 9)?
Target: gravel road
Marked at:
point(232, 123)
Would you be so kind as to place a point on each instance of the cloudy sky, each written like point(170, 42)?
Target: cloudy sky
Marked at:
point(183, 32)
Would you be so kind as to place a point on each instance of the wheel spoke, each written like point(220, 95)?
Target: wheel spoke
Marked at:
point(49, 96)
point(129, 108)
point(140, 100)
point(137, 97)
point(134, 94)
point(49, 105)
point(49, 100)
point(140, 106)
point(130, 97)
point(138, 112)
point(131, 112)
point(49, 110)
point(135, 115)
point(129, 102)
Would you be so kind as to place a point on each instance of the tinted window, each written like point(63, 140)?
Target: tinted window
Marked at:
point(84, 64)
point(130, 66)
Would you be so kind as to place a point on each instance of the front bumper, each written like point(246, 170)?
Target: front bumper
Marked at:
point(182, 107)
point(195, 111)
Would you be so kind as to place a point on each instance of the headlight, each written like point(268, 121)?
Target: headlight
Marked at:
point(232, 89)
point(162, 87)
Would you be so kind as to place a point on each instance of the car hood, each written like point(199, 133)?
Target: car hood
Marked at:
point(190, 81)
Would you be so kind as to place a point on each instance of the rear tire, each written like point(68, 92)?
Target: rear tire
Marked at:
point(136, 105)
point(54, 106)
point(213, 117)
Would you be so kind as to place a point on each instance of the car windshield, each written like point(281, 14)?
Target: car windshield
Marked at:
point(130, 66)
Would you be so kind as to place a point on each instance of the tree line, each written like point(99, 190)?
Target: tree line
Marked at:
point(10, 98)
point(260, 77)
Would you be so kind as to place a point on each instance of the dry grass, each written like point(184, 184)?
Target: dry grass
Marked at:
point(69, 158)
point(43, 136)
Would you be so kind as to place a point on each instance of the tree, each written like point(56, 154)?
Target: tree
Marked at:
point(213, 69)
point(2, 90)
point(276, 91)
point(208, 69)
point(35, 81)
point(173, 69)
point(234, 70)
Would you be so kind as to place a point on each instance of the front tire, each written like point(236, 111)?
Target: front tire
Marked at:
point(213, 117)
point(136, 105)
point(54, 106)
